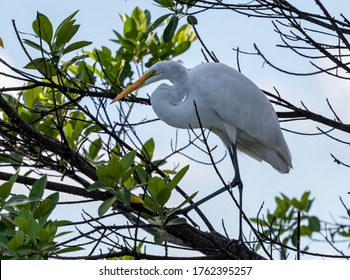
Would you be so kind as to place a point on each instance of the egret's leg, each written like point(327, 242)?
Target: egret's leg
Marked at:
point(237, 182)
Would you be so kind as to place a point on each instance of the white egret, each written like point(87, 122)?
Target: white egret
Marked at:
point(226, 102)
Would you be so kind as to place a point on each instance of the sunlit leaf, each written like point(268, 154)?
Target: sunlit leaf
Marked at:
point(181, 48)
point(130, 28)
point(43, 28)
point(136, 199)
point(76, 46)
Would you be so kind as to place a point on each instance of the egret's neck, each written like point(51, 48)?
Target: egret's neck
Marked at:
point(169, 104)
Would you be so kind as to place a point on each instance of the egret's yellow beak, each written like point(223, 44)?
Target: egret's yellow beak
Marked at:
point(139, 83)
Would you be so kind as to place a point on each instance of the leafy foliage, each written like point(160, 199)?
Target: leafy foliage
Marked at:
point(56, 42)
point(26, 232)
point(52, 108)
point(281, 225)
point(121, 175)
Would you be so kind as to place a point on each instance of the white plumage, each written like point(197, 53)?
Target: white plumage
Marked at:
point(228, 103)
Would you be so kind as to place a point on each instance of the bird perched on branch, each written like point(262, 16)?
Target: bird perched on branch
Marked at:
point(217, 97)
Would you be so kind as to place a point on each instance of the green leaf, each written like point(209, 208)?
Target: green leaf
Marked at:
point(62, 33)
point(54, 198)
point(115, 169)
point(37, 190)
point(76, 46)
point(181, 48)
point(178, 177)
point(165, 3)
point(158, 22)
point(314, 223)
point(66, 34)
point(106, 205)
point(155, 185)
point(151, 203)
point(34, 45)
point(177, 221)
point(305, 230)
point(16, 160)
point(17, 200)
point(43, 28)
point(94, 148)
point(128, 159)
point(305, 201)
point(69, 250)
point(98, 185)
point(33, 227)
point(21, 223)
point(163, 196)
point(170, 29)
point(38, 187)
point(43, 65)
point(148, 149)
point(5, 188)
point(130, 29)
point(192, 20)
point(16, 241)
point(141, 174)
point(64, 22)
point(123, 195)
point(103, 176)
point(160, 236)
point(42, 209)
point(187, 200)
point(110, 173)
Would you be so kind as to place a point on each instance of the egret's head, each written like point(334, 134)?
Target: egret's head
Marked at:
point(159, 71)
point(147, 78)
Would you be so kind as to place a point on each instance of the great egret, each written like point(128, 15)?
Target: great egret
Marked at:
point(226, 102)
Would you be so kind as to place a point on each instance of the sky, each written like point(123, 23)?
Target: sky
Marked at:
point(314, 169)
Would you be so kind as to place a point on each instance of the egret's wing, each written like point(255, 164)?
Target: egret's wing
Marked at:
point(242, 105)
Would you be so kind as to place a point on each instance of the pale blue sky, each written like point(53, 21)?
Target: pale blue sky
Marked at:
point(222, 31)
